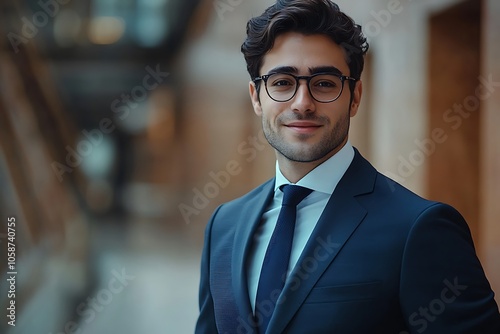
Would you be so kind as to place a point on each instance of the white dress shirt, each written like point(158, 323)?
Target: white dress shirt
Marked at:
point(322, 180)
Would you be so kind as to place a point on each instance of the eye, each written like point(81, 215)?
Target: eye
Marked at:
point(283, 82)
point(325, 84)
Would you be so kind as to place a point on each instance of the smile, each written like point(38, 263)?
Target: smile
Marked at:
point(303, 126)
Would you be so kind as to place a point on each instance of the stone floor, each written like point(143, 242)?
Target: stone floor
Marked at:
point(145, 281)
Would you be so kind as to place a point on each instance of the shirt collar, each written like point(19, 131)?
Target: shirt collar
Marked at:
point(326, 176)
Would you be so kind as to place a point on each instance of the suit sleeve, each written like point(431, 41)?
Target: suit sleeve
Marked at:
point(206, 319)
point(443, 288)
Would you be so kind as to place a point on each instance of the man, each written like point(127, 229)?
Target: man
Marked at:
point(350, 251)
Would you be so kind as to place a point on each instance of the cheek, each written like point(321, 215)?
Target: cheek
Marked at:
point(268, 109)
point(345, 98)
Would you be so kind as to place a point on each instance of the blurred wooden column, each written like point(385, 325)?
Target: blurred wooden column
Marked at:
point(454, 60)
point(490, 147)
point(34, 131)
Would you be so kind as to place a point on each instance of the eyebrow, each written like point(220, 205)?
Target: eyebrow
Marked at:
point(312, 70)
point(284, 69)
point(325, 69)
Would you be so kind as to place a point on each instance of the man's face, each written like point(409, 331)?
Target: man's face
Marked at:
point(302, 129)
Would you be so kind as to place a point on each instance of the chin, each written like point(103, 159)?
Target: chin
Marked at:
point(305, 155)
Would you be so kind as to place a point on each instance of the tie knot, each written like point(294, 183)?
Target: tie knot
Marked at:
point(293, 195)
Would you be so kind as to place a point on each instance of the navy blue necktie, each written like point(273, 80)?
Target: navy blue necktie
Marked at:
point(275, 266)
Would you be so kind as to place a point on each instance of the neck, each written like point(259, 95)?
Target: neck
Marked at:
point(295, 170)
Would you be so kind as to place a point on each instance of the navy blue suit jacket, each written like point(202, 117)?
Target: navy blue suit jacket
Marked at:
point(380, 260)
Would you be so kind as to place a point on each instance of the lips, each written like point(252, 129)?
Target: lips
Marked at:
point(303, 126)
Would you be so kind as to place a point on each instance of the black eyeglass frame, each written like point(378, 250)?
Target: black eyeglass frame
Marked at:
point(308, 79)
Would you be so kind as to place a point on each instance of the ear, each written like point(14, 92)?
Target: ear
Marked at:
point(254, 95)
point(356, 98)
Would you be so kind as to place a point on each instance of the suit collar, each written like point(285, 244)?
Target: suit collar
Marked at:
point(339, 220)
point(325, 177)
point(251, 216)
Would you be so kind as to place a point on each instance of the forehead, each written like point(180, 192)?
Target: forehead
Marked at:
point(304, 52)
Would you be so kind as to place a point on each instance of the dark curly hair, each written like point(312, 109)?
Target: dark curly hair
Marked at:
point(307, 17)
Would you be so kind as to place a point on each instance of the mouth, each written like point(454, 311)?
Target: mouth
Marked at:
point(303, 126)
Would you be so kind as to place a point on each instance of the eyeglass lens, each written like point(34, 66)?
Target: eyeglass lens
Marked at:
point(323, 87)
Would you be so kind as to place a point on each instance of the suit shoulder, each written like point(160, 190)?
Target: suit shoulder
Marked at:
point(395, 190)
point(381, 194)
point(402, 200)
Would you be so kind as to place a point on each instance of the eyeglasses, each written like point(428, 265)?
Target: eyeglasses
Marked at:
point(323, 87)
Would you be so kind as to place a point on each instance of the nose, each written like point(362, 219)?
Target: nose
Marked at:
point(303, 101)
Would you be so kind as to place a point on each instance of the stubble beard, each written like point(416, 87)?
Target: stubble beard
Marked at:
point(304, 152)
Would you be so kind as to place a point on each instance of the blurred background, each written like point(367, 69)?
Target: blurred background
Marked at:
point(124, 124)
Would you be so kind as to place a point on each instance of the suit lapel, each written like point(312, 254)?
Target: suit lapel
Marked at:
point(339, 220)
point(248, 222)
